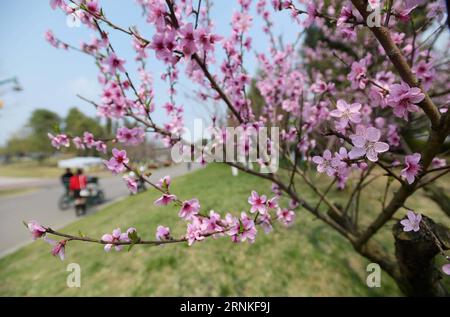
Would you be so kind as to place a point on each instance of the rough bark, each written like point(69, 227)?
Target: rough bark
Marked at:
point(415, 253)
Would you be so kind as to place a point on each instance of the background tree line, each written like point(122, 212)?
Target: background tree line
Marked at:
point(32, 139)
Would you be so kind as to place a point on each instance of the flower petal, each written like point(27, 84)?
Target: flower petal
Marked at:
point(373, 134)
point(372, 155)
point(356, 152)
point(358, 141)
point(381, 147)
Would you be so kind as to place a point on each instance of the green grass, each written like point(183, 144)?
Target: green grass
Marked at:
point(29, 169)
point(34, 169)
point(307, 259)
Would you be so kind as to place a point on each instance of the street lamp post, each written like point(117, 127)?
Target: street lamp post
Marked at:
point(13, 80)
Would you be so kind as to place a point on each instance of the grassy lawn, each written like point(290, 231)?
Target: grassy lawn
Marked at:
point(307, 259)
point(47, 169)
point(29, 169)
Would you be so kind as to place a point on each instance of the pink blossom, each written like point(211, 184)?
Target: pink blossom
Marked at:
point(366, 142)
point(92, 6)
point(100, 146)
point(412, 167)
point(160, 43)
point(59, 249)
point(425, 72)
point(132, 136)
point(345, 15)
point(78, 142)
point(207, 40)
point(273, 203)
point(347, 112)
point(56, 3)
point(60, 140)
point(312, 12)
point(131, 183)
point(403, 12)
point(189, 209)
point(266, 223)
point(446, 269)
point(115, 237)
point(325, 163)
point(436, 10)
point(404, 99)
point(293, 204)
point(374, 3)
point(114, 63)
point(170, 107)
point(257, 202)
point(276, 189)
point(165, 199)
point(163, 233)
point(285, 216)
point(156, 13)
point(50, 38)
point(320, 87)
point(194, 231)
point(412, 223)
point(212, 223)
point(36, 229)
point(242, 229)
point(392, 135)
point(348, 33)
point(188, 42)
point(88, 139)
point(117, 163)
point(358, 74)
point(437, 162)
point(164, 182)
point(241, 22)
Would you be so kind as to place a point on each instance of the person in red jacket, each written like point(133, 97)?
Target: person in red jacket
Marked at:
point(77, 185)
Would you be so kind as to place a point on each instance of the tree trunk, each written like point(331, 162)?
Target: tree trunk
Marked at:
point(415, 253)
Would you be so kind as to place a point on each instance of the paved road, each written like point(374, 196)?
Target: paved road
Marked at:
point(41, 205)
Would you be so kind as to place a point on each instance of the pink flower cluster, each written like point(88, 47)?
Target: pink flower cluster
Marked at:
point(366, 142)
point(81, 143)
point(166, 198)
point(112, 239)
point(300, 99)
point(117, 163)
point(132, 137)
point(38, 231)
point(114, 102)
point(334, 165)
point(60, 140)
point(404, 99)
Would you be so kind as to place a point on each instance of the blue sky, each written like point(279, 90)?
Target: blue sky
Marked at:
point(51, 78)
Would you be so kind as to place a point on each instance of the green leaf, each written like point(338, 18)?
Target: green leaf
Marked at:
point(241, 227)
point(133, 236)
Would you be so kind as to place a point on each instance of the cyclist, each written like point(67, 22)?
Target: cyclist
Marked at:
point(65, 179)
point(78, 184)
